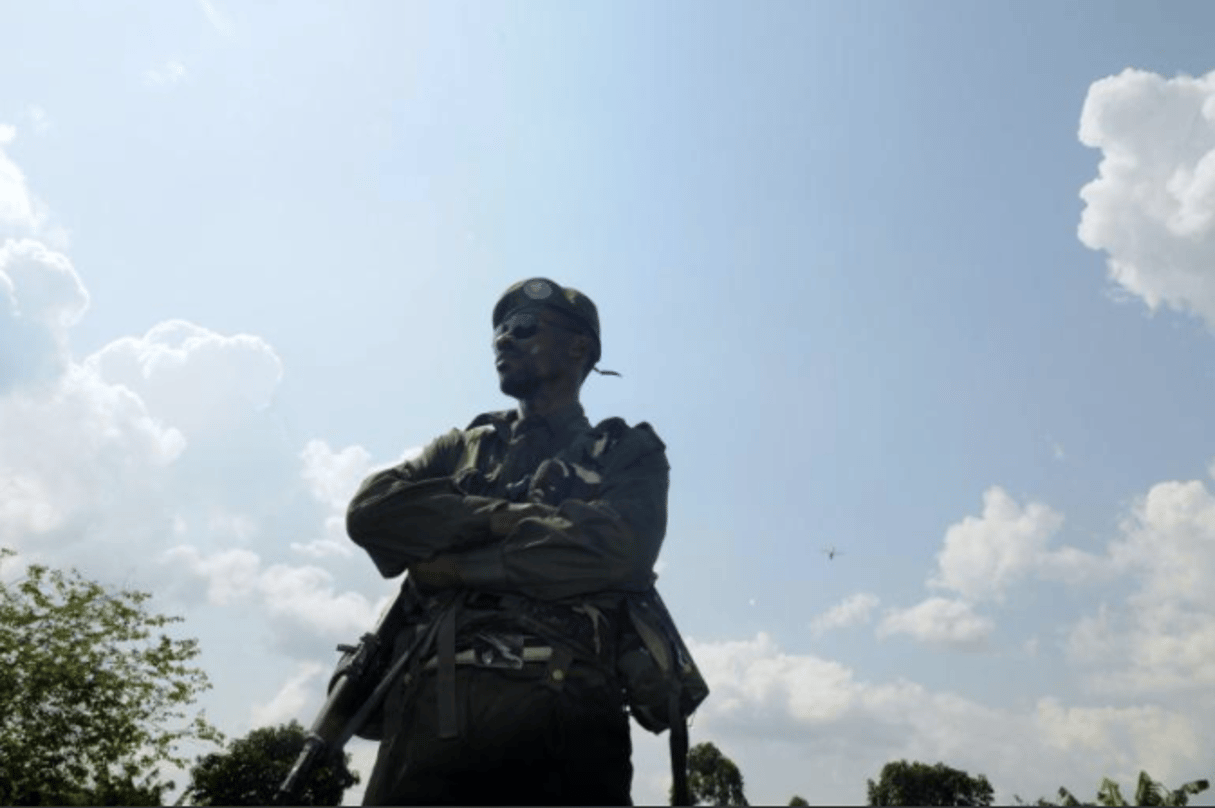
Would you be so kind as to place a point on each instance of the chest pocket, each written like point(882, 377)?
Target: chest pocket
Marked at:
point(575, 472)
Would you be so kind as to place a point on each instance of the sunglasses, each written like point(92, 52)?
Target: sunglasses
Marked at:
point(525, 324)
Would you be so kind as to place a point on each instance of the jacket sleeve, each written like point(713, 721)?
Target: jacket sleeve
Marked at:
point(580, 547)
point(414, 511)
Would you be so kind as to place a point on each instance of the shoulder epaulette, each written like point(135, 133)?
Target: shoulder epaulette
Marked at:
point(490, 419)
point(645, 425)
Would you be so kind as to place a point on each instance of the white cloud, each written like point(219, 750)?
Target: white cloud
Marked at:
point(1152, 206)
point(985, 555)
point(199, 381)
point(19, 212)
point(794, 721)
point(1161, 639)
point(333, 477)
point(230, 575)
point(1127, 739)
point(80, 461)
point(302, 596)
point(853, 610)
point(41, 296)
point(167, 74)
point(305, 595)
point(753, 680)
point(939, 621)
point(289, 702)
point(42, 284)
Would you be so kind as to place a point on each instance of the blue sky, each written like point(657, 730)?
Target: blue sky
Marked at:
point(841, 257)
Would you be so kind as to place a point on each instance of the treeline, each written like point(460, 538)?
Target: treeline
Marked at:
point(714, 779)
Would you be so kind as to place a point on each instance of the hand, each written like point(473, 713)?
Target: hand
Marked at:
point(440, 572)
point(471, 481)
point(551, 483)
point(502, 522)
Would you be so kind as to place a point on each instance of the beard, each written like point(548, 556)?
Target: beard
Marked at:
point(519, 385)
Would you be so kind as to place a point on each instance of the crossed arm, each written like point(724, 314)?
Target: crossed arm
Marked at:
point(413, 516)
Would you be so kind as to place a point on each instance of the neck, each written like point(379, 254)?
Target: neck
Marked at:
point(545, 402)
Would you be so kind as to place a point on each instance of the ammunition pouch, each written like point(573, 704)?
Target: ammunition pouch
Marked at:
point(658, 671)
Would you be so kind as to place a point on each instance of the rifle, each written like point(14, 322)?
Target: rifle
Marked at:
point(349, 704)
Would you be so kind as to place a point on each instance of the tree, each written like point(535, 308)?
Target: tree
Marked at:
point(253, 767)
point(91, 693)
point(713, 779)
point(798, 799)
point(1147, 792)
point(903, 783)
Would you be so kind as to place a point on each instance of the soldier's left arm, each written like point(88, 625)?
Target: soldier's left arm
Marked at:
point(583, 546)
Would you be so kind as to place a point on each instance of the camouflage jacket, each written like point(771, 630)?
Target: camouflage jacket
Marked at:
point(600, 528)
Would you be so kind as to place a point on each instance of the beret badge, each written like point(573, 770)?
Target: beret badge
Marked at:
point(537, 289)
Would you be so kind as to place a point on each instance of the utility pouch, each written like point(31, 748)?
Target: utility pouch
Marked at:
point(657, 668)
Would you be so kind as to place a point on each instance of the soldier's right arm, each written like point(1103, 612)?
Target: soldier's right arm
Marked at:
point(414, 511)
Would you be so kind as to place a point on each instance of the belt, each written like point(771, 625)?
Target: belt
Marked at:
point(496, 658)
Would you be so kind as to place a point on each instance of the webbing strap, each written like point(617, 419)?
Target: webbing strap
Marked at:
point(446, 684)
point(679, 751)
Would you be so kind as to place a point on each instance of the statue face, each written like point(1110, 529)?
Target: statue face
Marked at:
point(533, 348)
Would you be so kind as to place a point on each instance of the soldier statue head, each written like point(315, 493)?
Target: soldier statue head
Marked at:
point(546, 341)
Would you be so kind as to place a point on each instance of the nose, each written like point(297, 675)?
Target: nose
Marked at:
point(503, 340)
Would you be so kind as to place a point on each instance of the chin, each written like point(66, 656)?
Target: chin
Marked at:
point(516, 387)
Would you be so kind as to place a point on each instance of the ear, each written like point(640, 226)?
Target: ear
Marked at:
point(580, 348)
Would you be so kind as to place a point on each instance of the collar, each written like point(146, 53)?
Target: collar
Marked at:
point(568, 419)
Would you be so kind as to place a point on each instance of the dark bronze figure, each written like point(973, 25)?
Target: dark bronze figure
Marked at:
point(529, 618)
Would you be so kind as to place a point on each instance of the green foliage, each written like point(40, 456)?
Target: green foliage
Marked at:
point(713, 779)
point(253, 767)
point(903, 783)
point(92, 695)
point(1147, 792)
point(798, 799)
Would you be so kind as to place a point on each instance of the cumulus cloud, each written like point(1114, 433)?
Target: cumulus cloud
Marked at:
point(755, 680)
point(159, 463)
point(1161, 639)
point(333, 477)
point(77, 460)
point(298, 597)
point(18, 210)
point(853, 610)
point(41, 296)
point(1152, 206)
point(1130, 739)
point(200, 381)
point(984, 555)
point(939, 621)
point(768, 704)
point(289, 702)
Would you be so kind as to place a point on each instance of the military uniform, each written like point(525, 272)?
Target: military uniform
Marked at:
point(519, 700)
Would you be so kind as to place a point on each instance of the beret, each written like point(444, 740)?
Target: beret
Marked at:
point(543, 293)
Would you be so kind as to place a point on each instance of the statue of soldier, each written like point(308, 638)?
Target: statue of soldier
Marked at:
point(522, 535)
